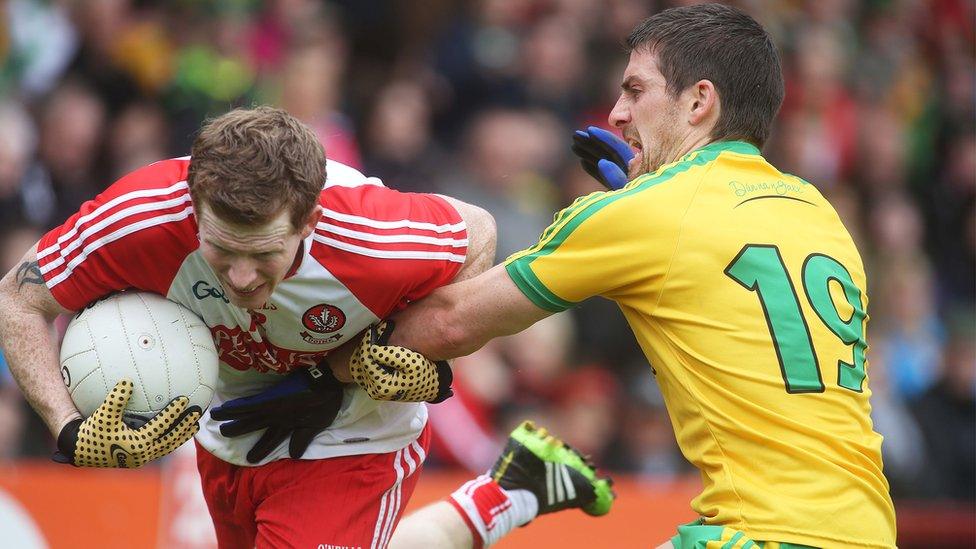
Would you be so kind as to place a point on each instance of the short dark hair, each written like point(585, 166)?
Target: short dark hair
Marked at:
point(248, 164)
point(726, 46)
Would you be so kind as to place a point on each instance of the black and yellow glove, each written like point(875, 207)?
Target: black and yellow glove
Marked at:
point(104, 440)
point(388, 372)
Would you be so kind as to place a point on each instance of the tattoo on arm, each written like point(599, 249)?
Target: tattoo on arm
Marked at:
point(29, 272)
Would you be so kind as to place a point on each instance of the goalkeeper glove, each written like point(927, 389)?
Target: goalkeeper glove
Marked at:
point(388, 372)
point(603, 155)
point(104, 440)
point(302, 405)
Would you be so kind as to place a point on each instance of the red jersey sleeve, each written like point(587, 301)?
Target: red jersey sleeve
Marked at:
point(135, 234)
point(388, 247)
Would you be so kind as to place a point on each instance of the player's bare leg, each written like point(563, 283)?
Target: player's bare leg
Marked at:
point(536, 474)
point(436, 525)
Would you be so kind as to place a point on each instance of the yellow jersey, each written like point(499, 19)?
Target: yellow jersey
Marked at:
point(748, 297)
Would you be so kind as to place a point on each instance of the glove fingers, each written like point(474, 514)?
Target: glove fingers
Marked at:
point(582, 142)
point(445, 377)
point(175, 438)
point(244, 426)
point(190, 416)
point(612, 175)
point(270, 440)
point(300, 439)
point(183, 431)
point(380, 333)
point(590, 168)
point(115, 402)
point(617, 145)
point(167, 417)
point(587, 148)
point(240, 408)
point(593, 149)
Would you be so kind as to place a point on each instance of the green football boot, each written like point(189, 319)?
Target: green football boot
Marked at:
point(558, 475)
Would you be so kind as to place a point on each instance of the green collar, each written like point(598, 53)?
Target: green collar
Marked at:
point(740, 147)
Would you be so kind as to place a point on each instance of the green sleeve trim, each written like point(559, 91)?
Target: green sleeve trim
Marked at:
point(533, 288)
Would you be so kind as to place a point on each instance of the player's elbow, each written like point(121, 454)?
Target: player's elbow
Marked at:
point(482, 231)
point(482, 222)
point(482, 238)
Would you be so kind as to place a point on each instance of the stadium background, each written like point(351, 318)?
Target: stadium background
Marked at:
point(478, 99)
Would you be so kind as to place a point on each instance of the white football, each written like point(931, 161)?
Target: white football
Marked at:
point(163, 347)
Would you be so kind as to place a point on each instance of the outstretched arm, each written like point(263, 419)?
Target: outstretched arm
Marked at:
point(458, 319)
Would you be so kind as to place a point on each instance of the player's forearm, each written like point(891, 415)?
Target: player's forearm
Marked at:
point(458, 319)
point(30, 348)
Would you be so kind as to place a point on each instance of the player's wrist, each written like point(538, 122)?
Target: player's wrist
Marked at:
point(67, 441)
point(341, 371)
point(57, 427)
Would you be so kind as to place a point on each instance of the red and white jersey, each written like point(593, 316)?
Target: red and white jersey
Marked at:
point(373, 251)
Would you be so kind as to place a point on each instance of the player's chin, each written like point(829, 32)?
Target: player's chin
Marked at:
point(639, 166)
point(254, 300)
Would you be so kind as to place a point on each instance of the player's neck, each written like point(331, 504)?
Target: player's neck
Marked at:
point(692, 142)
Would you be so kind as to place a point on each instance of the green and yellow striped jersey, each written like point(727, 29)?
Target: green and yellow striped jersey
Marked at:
point(748, 297)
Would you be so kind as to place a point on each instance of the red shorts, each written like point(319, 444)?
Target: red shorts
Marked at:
point(346, 502)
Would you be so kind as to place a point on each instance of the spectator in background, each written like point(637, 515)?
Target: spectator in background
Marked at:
point(18, 140)
point(652, 451)
point(477, 54)
point(100, 25)
point(588, 405)
point(71, 124)
point(138, 136)
point(947, 415)
point(554, 66)
point(311, 91)
point(507, 155)
point(399, 147)
point(904, 450)
point(819, 115)
point(909, 329)
point(38, 47)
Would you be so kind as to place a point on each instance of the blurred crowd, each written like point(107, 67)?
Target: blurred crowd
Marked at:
point(478, 99)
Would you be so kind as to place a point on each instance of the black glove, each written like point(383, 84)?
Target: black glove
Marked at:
point(302, 405)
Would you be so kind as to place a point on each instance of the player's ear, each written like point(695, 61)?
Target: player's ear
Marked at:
point(703, 102)
point(312, 219)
